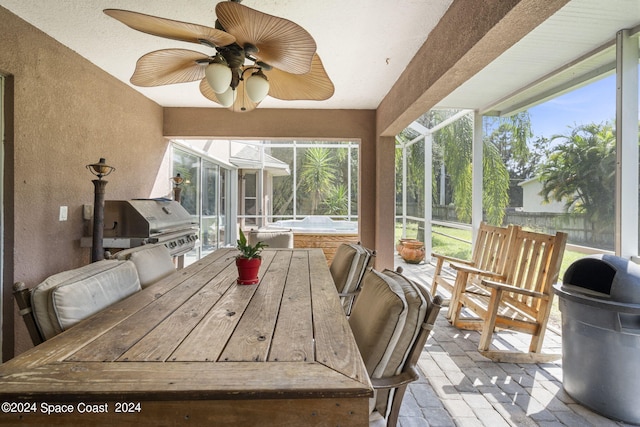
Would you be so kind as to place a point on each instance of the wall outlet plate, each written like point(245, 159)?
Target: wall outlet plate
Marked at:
point(64, 211)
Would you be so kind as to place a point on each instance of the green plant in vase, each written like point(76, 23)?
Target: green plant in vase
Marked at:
point(249, 251)
point(249, 260)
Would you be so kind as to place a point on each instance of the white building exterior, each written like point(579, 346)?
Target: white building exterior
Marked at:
point(532, 201)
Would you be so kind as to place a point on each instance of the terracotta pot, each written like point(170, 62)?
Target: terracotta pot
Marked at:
point(248, 270)
point(413, 252)
point(400, 244)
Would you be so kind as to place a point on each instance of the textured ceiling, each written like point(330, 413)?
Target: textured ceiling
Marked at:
point(364, 45)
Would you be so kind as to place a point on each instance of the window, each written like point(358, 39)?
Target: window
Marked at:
point(266, 183)
point(249, 200)
point(204, 194)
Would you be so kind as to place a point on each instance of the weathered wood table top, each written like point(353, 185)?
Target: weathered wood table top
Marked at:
point(198, 349)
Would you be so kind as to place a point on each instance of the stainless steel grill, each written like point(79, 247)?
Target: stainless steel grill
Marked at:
point(131, 223)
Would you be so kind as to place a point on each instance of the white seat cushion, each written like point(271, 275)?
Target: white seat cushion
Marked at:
point(416, 312)
point(272, 238)
point(65, 298)
point(153, 262)
point(347, 266)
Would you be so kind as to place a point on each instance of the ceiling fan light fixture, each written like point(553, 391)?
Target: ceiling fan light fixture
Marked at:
point(257, 86)
point(274, 46)
point(227, 98)
point(218, 74)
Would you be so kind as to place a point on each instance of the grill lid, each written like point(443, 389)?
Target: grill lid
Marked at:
point(145, 217)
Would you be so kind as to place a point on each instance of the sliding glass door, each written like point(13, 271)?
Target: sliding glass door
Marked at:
point(204, 195)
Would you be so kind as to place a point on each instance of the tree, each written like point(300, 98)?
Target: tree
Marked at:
point(495, 184)
point(415, 173)
point(580, 171)
point(511, 136)
point(336, 200)
point(454, 142)
point(317, 175)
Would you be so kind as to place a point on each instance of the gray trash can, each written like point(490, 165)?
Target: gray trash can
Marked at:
point(600, 305)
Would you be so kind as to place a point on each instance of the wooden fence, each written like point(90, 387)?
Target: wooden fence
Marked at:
point(580, 230)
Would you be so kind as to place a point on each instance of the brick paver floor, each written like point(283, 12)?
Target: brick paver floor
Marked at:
point(461, 388)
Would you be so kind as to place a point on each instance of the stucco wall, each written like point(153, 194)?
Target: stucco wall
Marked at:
point(67, 113)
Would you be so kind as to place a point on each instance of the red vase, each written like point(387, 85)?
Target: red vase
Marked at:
point(248, 270)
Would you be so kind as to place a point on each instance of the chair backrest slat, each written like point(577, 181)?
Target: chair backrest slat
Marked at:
point(533, 264)
point(489, 251)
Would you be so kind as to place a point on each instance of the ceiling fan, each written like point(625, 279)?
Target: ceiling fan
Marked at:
point(256, 55)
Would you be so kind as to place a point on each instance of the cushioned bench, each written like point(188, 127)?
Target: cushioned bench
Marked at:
point(66, 298)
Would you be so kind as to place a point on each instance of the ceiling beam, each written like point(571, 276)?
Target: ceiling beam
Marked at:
point(470, 35)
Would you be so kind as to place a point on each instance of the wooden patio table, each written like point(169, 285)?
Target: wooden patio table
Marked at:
point(197, 349)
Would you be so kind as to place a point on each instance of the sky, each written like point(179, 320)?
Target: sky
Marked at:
point(594, 103)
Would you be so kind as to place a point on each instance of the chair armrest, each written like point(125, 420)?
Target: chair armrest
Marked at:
point(402, 378)
point(472, 270)
point(452, 259)
point(510, 288)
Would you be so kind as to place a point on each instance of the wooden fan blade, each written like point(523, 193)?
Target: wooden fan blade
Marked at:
point(168, 66)
point(168, 28)
point(315, 85)
point(282, 44)
point(242, 103)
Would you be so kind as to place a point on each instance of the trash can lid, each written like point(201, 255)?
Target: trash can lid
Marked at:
point(607, 274)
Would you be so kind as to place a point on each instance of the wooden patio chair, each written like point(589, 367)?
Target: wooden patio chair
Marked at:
point(391, 321)
point(488, 255)
point(520, 302)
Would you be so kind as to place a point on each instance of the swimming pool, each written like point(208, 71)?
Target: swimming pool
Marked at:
point(318, 224)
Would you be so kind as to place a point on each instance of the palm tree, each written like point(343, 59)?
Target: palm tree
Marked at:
point(335, 201)
point(454, 143)
point(317, 174)
point(580, 171)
